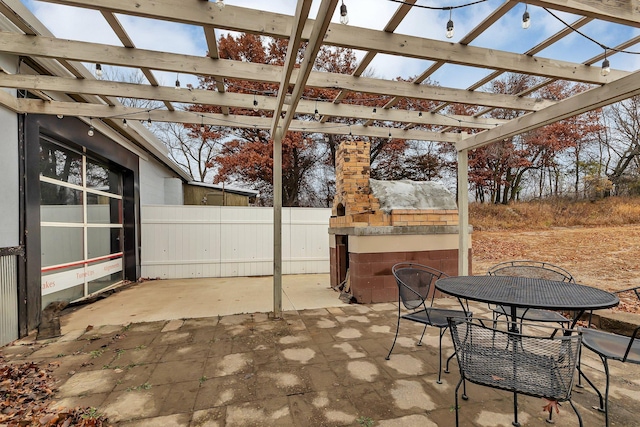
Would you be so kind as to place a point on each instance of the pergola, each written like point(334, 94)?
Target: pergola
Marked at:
point(60, 85)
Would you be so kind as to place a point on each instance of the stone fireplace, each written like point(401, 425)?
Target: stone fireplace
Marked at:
point(376, 224)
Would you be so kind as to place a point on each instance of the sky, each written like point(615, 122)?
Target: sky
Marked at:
point(507, 34)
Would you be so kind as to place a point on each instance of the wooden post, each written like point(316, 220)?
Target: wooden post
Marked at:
point(277, 223)
point(463, 212)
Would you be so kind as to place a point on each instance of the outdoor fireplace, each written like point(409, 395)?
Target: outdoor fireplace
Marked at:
point(376, 224)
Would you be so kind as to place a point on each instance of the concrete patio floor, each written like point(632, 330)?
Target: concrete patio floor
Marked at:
point(314, 367)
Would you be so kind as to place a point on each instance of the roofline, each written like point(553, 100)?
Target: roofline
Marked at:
point(234, 190)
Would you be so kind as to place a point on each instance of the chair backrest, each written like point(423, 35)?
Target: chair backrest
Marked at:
point(532, 269)
point(539, 366)
point(416, 283)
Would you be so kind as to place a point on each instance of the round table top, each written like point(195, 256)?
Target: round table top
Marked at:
point(527, 292)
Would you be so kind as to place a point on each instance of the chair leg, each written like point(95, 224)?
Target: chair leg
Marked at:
point(440, 356)
point(394, 338)
point(456, 399)
point(606, 392)
point(600, 408)
point(446, 368)
point(422, 336)
point(576, 411)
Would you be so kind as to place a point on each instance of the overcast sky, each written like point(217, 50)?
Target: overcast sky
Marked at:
point(507, 34)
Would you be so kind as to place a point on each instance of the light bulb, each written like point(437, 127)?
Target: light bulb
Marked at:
point(449, 33)
point(606, 69)
point(124, 123)
point(375, 110)
point(526, 20)
point(255, 105)
point(256, 139)
point(202, 129)
point(220, 4)
point(90, 133)
point(344, 18)
point(177, 84)
point(149, 121)
point(98, 71)
point(326, 138)
point(316, 115)
point(420, 114)
point(59, 116)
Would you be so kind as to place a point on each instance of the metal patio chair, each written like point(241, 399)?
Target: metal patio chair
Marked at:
point(539, 366)
point(609, 346)
point(536, 270)
point(416, 292)
point(635, 290)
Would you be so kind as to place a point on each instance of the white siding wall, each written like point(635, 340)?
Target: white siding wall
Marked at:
point(225, 241)
point(9, 213)
point(153, 186)
point(9, 160)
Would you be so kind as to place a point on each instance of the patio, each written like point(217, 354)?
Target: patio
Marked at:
point(314, 367)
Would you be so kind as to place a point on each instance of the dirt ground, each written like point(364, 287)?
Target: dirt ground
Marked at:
point(604, 257)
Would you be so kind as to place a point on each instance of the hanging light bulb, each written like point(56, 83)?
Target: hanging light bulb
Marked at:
point(344, 18)
point(59, 116)
point(124, 123)
point(255, 103)
point(98, 71)
point(526, 18)
point(220, 4)
point(350, 134)
point(326, 138)
point(316, 114)
point(90, 132)
point(149, 121)
point(420, 114)
point(389, 134)
point(256, 139)
point(606, 68)
point(177, 82)
point(375, 110)
point(449, 32)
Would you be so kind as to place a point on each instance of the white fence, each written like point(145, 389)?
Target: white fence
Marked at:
point(225, 241)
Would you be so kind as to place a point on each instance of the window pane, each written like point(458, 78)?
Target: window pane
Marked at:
point(60, 163)
point(103, 241)
point(70, 294)
point(60, 204)
point(105, 273)
point(61, 245)
point(100, 177)
point(103, 209)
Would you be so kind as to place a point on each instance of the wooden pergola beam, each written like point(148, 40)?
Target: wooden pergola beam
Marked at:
point(234, 100)
point(618, 90)
point(49, 47)
point(235, 18)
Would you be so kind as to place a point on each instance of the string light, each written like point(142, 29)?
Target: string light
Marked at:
point(316, 114)
point(344, 18)
point(90, 132)
point(124, 123)
point(420, 114)
point(220, 4)
point(98, 71)
point(449, 32)
point(255, 103)
point(375, 110)
point(149, 120)
point(201, 124)
point(606, 68)
point(177, 81)
point(60, 116)
point(326, 138)
point(526, 18)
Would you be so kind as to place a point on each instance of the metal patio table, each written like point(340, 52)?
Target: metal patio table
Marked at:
point(524, 292)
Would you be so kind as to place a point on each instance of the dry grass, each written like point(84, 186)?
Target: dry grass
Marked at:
point(550, 213)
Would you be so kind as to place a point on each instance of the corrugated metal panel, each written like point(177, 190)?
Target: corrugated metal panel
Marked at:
point(8, 299)
point(226, 241)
